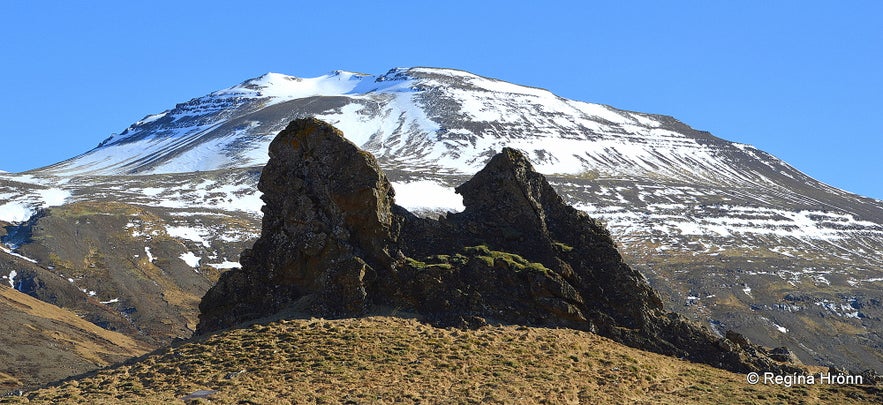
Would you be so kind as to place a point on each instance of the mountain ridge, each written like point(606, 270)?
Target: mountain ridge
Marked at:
point(417, 79)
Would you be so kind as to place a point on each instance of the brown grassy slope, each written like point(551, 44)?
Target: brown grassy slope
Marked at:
point(385, 359)
point(40, 342)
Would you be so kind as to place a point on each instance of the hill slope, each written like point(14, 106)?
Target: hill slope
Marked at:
point(390, 359)
point(40, 342)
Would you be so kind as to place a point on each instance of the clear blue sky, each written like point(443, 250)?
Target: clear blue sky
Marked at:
point(802, 80)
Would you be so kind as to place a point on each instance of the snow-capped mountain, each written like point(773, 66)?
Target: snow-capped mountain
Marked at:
point(444, 118)
point(730, 235)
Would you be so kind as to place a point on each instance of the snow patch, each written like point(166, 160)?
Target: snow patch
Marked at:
point(7, 251)
point(844, 310)
point(16, 211)
point(225, 265)
point(198, 235)
point(11, 278)
point(191, 259)
point(150, 118)
point(426, 194)
point(53, 196)
point(152, 191)
point(23, 208)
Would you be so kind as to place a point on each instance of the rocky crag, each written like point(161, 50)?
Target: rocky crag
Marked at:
point(334, 243)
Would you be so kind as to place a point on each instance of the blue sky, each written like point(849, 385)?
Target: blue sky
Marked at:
point(802, 80)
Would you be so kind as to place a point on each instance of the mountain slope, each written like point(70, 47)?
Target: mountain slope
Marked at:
point(729, 235)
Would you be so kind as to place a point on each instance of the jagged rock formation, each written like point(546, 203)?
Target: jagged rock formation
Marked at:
point(334, 242)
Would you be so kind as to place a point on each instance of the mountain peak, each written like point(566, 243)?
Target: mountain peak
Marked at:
point(507, 176)
point(282, 87)
point(269, 79)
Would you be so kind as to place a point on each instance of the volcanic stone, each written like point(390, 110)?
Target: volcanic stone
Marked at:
point(333, 243)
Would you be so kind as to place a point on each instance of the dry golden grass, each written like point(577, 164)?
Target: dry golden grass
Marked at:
point(390, 360)
point(32, 306)
point(40, 342)
point(7, 380)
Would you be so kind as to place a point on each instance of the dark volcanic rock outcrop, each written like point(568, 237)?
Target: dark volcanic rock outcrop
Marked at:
point(326, 227)
point(334, 243)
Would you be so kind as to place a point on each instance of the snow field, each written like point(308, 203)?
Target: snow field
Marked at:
point(427, 194)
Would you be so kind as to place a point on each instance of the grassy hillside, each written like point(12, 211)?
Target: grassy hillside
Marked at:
point(389, 359)
point(40, 342)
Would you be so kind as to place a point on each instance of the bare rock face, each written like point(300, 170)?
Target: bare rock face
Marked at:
point(334, 242)
point(326, 225)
